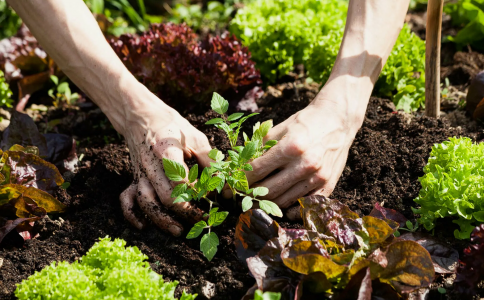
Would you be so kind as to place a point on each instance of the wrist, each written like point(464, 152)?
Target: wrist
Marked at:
point(347, 97)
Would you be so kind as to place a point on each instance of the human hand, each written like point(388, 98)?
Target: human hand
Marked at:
point(310, 155)
point(153, 132)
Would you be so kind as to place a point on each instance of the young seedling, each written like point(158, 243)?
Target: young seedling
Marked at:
point(410, 227)
point(224, 170)
point(61, 92)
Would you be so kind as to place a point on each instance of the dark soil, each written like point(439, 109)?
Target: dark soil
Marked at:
point(384, 163)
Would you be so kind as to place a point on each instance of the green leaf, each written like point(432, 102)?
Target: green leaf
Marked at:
point(241, 183)
point(248, 152)
point(247, 203)
point(265, 127)
point(174, 170)
point(205, 177)
point(196, 230)
point(246, 137)
point(238, 148)
point(178, 190)
point(409, 224)
point(65, 185)
point(63, 87)
point(217, 218)
point(234, 156)
point(193, 174)
point(270, 208)
point(183, 198)
point(235, 116)
point(260, 191)
point(219, 104)
point(271, 143)
point(209, 244)
point(54, 79)
point(213, 183)
point(216, 155)
point(221, 184)
point(214, 121)
point(247, 167)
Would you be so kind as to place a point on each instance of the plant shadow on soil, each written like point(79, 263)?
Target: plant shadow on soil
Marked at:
point(384, 163)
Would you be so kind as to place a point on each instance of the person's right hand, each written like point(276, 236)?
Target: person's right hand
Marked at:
point(155, 131)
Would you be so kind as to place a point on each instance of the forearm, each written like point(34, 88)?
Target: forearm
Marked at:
point(372, 28)
point(69, 33)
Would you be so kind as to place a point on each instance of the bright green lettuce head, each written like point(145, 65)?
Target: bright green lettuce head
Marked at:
point(108, 271)
point(453, 185)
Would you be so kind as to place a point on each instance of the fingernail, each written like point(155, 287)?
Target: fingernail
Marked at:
point(175, 230)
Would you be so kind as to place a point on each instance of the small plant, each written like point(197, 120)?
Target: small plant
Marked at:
point(452, 185)
point(61, 92)
point(410, 227)
point(109, 270)
point(5, 92)
point(266, 296)
point(229, 171)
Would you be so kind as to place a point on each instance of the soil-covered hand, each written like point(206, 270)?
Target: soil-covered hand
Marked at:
point(153, 132)
point(309, 157)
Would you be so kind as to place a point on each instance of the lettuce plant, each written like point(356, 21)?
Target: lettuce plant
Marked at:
point(470, 15)
point(171, 61)
point(280, 34)
point(5, 92)
point(453, 185)
point(109, 270)
point(336, 253)
point(229, 171)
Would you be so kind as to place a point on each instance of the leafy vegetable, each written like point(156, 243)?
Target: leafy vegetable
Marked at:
point(61, 93)
point(281, 34)
point(471, 269)
point(9, 21)
point(5, 92)
point(171, 61)
point(470, 15)
point(452, 185)
point(229, 171)
point(337, 253)
point(107, 271)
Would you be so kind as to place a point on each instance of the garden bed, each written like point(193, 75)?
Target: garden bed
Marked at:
point(384, 164)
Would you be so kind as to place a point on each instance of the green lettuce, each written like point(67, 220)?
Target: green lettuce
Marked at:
point(470, 15)
point(107, 271)
point(453, 185)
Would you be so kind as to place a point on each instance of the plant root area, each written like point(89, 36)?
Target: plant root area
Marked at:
point(384, 164)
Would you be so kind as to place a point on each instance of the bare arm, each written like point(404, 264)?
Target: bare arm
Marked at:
point(69, 33)
point(314, 142)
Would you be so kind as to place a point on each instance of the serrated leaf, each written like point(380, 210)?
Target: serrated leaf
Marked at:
point(248, 152)
point(235, 116)
point(205, 177)
point(209, 244)
point(183, 198)
point(216, 155)
point(174, 170)
point(178, 190)
point(219, 104)
point(214, 121)
point(260, 191)
point(247, 203)
point(221, 184)
point(234, 156)
point(270, 208)
point(238, 148)
point(226, 128)
point(247, 167)
point(213, 183)
point(196, 230)
point(241, 183)
point(193, 174)
point(217, 218)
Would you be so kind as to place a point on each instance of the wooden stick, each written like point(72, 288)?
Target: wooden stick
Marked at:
point(432, 58)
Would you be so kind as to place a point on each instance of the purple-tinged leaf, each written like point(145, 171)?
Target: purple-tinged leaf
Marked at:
point(359, 287)
point(444, 257)
point(471, 269)
point(12, 224)
point(332, 218)
point(384, 213)
point(253, 230)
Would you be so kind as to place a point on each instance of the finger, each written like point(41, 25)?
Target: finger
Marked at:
point(155, 174)
point(281, 182)
point(299, 190)
point(278, 132)
point(147, 202)
point(294, 213)
point(267, 163)
point(127, 199)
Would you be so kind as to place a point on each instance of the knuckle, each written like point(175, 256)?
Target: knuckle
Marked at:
point(319, 178)
point(311, 164)
point(296, 147)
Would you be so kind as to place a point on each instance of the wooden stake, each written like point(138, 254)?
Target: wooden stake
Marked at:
point(432, 58)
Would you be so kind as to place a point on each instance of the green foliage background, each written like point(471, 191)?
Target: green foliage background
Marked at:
point(453, 185)
point(470, 15)
point(282, 33)
point(108, 271)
